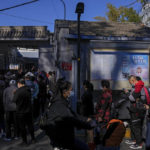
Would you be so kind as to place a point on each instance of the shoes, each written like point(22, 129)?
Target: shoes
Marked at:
point(2, 135)
point(125, 124)
point(135, 146)
point(7, 139)
point(130, 142)
point(33, 141)
point(16, 138)
point(23, 144)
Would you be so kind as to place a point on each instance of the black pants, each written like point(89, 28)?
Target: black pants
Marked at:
point(42, 100)
point(132, 133)
point(137, 131)
point(2, 122)
point(36, 108)
point(11, 120)
point(26, 120)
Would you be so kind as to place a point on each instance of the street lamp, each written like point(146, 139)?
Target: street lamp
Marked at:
point(79, 11)
point(64, 9)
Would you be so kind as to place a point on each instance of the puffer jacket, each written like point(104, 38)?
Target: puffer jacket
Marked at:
point(22, 98)
point(8, 95)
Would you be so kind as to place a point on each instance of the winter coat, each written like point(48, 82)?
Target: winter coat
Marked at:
point(22, 98)
point(2, 87)
point(123, 112)
point(42, 89)
point(137, 91)
point(62, 122)
point(137, 111)
point(33, 87)
point(87, 106)
point(138, 86)
point(8, 95)
point(148, 114)
point(103, 107)
point(52, 84)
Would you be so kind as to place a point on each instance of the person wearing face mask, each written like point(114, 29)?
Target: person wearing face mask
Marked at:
point(63, 120)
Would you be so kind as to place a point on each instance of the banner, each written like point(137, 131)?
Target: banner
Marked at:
point(119, 65)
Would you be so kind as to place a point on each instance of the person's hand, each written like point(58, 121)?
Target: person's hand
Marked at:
point(89, 119)
point(100, 119)
point(137, 99)
point(146, 106)
point(126, 91)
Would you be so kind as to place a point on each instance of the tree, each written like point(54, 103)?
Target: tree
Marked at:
point(143, 2)
point(121, 14)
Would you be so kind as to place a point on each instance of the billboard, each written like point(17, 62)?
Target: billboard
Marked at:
point(118, 65)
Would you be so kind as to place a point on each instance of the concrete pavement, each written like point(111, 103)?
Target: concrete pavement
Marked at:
point(42, 143)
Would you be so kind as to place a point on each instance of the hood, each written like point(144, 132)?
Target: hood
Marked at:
point(138, 86)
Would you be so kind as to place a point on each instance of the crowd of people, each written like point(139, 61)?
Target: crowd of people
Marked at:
point(24, 97)
point(133, 109)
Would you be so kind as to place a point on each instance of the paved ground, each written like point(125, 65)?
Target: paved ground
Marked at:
point(41, 144)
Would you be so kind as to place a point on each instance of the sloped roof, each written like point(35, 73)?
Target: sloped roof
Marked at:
point(23, 32)
point(107, 29)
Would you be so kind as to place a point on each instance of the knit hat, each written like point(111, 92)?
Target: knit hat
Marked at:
point(12, 82)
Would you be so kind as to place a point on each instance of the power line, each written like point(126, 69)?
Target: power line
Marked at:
point(24, 18)
point(18, 5)
point(132, 3)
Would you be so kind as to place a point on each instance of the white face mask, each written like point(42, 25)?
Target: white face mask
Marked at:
point(71, 94)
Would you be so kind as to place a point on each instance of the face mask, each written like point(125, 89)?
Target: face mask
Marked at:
point(133, 86)
point(71, 94)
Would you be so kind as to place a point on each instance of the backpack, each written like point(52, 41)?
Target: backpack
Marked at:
point(114, 134)
point(145, 94)
point(110, 134)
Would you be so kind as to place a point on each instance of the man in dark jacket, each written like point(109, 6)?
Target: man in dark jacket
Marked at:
point(10, 110)
point(22, 97)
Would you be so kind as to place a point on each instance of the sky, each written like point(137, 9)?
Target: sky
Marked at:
point(45, 12)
